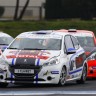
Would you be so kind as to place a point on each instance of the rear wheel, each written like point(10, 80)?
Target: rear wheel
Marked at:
point(63, 75)
point(84, 75)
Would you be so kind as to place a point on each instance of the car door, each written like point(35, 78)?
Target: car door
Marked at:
point(75, 57)
point(80, 54)
point(70, 57)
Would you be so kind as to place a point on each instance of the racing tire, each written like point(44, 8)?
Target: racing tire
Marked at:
point(84, 76)
point(63, 75)
point(3, 85)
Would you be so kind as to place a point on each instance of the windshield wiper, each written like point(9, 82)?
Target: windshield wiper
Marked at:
point(12, 48)
point(3, 44)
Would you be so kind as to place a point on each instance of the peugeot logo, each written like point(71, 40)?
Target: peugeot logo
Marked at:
point(25, 60)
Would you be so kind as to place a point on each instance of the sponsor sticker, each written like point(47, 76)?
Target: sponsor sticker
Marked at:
point(27, 56)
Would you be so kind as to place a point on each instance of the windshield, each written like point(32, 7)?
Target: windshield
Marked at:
point(86, 41)
point(5, 40)
point(36, 44)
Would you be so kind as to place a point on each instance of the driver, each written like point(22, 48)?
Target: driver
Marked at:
point(46, 42)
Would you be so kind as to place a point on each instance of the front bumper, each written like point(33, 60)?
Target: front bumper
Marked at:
point(46, 74)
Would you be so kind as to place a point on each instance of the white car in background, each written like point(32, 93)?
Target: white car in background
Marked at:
point(5, 40)
point(43, 57)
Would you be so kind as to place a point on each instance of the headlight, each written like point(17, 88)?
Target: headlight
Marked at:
point(3, 65)
point(2, 70)
point(52, 61)
point(2, 61)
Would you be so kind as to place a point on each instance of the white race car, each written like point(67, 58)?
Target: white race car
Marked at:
point(41, 57)
point(5, 40)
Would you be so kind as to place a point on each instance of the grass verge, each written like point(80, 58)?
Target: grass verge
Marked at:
point(16, 27)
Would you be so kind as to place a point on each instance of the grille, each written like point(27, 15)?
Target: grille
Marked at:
point(24, 66)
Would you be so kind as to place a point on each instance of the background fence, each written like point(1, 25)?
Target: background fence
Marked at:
point(31, 13)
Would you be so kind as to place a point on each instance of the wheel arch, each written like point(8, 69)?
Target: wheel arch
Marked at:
point(65, 67)
point(60, 80)
point(85, 64)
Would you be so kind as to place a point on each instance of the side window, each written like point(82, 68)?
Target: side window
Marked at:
point(68, 42)
point(75, 42)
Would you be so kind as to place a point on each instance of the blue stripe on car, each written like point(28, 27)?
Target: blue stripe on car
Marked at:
point(75, 71)
point(37, 73)
point(71, 60)
point(13, 61)
point(11, 73)
point(38, 65)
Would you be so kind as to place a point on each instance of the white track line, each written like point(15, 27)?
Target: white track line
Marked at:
point(42, 93)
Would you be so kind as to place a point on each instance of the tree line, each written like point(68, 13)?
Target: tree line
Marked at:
point(59, 9)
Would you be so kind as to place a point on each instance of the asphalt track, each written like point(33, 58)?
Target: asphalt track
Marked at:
point(70, 89)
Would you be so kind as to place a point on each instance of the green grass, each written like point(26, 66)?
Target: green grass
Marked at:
point(16, 27)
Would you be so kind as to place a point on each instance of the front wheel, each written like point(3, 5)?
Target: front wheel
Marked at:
point(63, 75)
point(84, 75)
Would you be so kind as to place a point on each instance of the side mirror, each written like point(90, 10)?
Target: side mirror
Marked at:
point(71, 51)
point(3, 48)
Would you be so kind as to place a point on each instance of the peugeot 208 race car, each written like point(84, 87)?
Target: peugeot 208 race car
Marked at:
point(43, 57)
point(88, 41)
point(5, 40)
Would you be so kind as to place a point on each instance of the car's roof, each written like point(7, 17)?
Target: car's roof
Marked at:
point(74, 30)
point(77, 32)
point(2, 34)
point(42, 32)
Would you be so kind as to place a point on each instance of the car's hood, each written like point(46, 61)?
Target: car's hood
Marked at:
point(34, 57)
